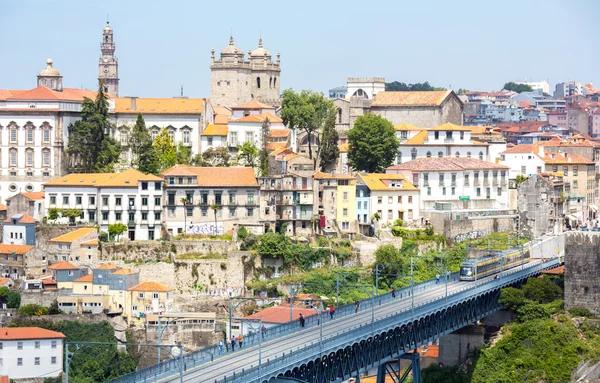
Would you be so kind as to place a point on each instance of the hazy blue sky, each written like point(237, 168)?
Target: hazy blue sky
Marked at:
point(162, 45)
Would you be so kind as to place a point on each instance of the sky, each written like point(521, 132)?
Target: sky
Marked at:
point(163, 45)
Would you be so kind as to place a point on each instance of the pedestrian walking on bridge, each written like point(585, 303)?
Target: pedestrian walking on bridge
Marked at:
point(356, 304)
point(331, 311)
point(437, 278)
point(233, 343)
point(240, 340)
point(301, 320)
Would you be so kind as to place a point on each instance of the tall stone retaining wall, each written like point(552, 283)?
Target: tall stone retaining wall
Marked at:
point(582, 267)
point(38, 297)
point(141, 251)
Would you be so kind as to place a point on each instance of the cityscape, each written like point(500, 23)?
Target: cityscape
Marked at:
point(342, 222)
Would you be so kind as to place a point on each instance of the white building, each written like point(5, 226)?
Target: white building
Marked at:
point(30, 352)
point(543, 85)
point(504, 112)
point(214, 136)
point(447, 140)
point(392, 197)
point(568, 88)
point(465, 183)
point(521, 159)
point(246, 122)
point(130, 197)
point(364, 87)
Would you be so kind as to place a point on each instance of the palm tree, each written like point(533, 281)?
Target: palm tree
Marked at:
point(185, 202)
point(215, 208)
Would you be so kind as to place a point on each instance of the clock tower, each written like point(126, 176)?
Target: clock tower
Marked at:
point(108, 66)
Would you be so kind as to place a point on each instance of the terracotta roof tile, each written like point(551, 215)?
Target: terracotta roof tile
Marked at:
point(451, 127)
point(253, 105)
point(62, 265)
point(44, 93)
point(276, 145)
point(281, 314)
point(434, 98)
point(259, 118)
point(221, 119)
point(93, 242)
point(417, 139)
point(407, 127)
point(17, 249)
point(222, 110)
point(85, 278)
point(160, 105)
point(125, 271)
point(151, 287)
point(23, 333)
point(279, 133)
point(22, 218)
point(2, 207)
point(564, 158)
point(107, 266)
point(319, 175)
point(446, 164)
point(380, 181)
point(216, 130)
point(128, 178)
point(216, 176)
point(35, 196)
point(521, 148)
point(74, 235)
point(3, 281)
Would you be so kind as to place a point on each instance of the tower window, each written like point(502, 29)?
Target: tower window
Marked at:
point(105, 89)
point(258, 82)
point(106, 38)
point(274, 82)
point(339, 116)
point(270, 82)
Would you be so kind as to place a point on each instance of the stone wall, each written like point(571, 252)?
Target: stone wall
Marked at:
point(535, 202)
point(42, 298)
point(141, 251)
point(457, 347)
point(582, 267)
point(461, 230)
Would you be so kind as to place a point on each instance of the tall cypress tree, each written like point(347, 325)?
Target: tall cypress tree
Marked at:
point(143, 153)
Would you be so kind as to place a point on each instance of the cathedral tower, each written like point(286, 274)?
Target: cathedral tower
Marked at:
point(108, 66)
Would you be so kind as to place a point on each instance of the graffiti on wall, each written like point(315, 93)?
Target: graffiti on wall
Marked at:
point(229, 291)
point(468, 235)
point(205, 228)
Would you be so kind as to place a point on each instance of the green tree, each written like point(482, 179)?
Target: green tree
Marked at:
point(265, 131)
point(462, 91)
point(143, 154)
point(116, 229)
point(184, 154)
point(274, 245)
point(512, 299)
point(329, 149)
point(216, 157)
point(519, 88)
point(520, 178)
point(542, 290)
point(248, 154)
point(215, 208)
point(13, 298)
point(165, 150)
point(396, 86)
point(373, 144)
point(72, 214)
point(90, 148)
point(53, 214)
point(53, 309)
point(308, 112)
point(33, 309)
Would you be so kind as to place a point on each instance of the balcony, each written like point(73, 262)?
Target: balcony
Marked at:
point(494, 182)
point(503, 182)
point(131, 222)
point(486, 182)
point(476, 182)
point(453, 183)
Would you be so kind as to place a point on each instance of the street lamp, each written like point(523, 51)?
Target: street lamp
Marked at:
point(259, 336)
point(240, 300)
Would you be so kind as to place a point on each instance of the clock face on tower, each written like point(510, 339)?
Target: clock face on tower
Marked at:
point(105, 60)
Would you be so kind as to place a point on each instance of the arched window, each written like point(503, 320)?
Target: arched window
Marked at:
point(29, 157)
point(258, 82)
point(468, 154)
point(45, 157)
point(428, 154)
point(360, 93)
point(274, 82)
point(481, 156)
point(106, 38)
point(399, 158)
point(270, 82)
point(457, 154)
point(313, 140)
point(440, 154)
point(413, 154)
point(339, 116)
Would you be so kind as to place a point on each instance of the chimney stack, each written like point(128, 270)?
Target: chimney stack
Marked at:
point(132, 105)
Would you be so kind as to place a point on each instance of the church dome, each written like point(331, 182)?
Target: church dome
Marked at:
point(260, 51)
point(49, 71)
point(231, 49)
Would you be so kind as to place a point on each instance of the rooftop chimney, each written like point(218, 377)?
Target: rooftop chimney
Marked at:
point(540, 150)
point(133, 105)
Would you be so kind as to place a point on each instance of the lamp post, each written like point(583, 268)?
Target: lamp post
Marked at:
point(238, 301)
point(259, 336)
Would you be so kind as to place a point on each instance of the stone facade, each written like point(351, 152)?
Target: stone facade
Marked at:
point(463, 227)
point(234, 80)
point(582, 266)
point(537, 205)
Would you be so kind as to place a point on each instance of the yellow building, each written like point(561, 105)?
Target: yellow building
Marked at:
point(346, 204)
point(147, 298)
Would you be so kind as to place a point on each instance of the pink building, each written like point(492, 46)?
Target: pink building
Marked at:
point(558, 118)
point(595, 122)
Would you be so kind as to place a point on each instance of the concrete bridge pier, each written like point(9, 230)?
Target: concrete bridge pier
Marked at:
point(455, 348)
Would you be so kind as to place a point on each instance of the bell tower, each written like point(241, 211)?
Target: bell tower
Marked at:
point(108, 66)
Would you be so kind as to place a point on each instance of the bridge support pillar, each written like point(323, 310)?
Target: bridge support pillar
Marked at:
point(394, 370)
point(457, 347)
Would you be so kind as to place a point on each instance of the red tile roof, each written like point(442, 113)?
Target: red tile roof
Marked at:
point(281, 314)
point(253, 105)
point(25, 218)
point(23, 333)
point(85, 278)
point(62, 265)
point(216, 176)
point(34, 195)
point(17, 249)
point(446, 164)
point(44, 93)
point(387, 98)
point(521, 148)
point(2, 207)
point(560, 270)
point(151, 287)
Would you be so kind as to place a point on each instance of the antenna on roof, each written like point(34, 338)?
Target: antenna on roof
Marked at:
point(260, 34)
point(182, 91)
point(107, 19)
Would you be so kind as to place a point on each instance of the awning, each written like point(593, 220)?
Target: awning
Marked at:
point(571, 218)
point(594, 208)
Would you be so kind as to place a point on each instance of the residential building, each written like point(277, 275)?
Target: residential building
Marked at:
point(392, 197)
point(285, 160)
point(336, 203)
point(543, 85)
point(364, 87)
point(447, 140)
point(569, 88)
point(31, 353)
point(363, 209)
point(338, 92)
point(192, 192)
point(79, 247)
point(346, 205)
point(278, 138)
point(595, 122)
point(248, 129)
point(558, 118)
point(456, 183)
point(214, 136)
point(148, 298)
point(235, 80)
point(64, 273)
point(130, 197)
point(578, 120)
point(31, 203)
point(12, 260)
point(522, 160)
point(184, 118)
point(19, 229)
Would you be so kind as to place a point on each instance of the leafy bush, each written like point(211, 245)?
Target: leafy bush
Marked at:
point(103, 236)
point(223, 266)
point(116, 229)
point(581, 312)
point(436, 374)
point(33, 309)
point(242, 233)
point(512, 299)
point(53, 309)
point(322, 241)
point(542, 290)
point(13, 298)
point(249, 243)
point(531, 311)
point(399, 222)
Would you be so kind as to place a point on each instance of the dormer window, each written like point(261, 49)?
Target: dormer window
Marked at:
point(449, 135)
point(462, 135)
point(436, 135)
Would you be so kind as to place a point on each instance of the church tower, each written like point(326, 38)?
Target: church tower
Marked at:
point(108, 66)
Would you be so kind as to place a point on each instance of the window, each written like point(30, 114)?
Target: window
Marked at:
point(151, 235)
point(390, 199)
point(399, 158)
point(250, 137)
point(443, 191)
point(37, 344)
point(539, 169)
point(13, 136)
point(410, 214)
point(436, 135)
point(105, 201)
point(46, 136)
point(449, 135)
point(345, 212)
point(13, 157)
point(92, 216)
point(65, 200)
point(409, 199)
point(19, 345)
point(92, 200)
point(428, 154)
point(233, 139)
point(468, 154)
point(46, 157)
point(575, 170)
point(462, 135)
point(399, 199)
point(105, 216)
point(186, 137)
point(189, 211)
point(204, 212)
point(144, 216)
point(250, 212)
point(258, 82)
point(157, 215)
point(379, 200)
point(19, 361)
point(29, 158)
point(478, 192)
point(232, 212)
point(118, 216)
point(428, 190)
point(390, 214)
point(210, 141)
point(141, 295)
point(499, 191)
point(37, 361)
point(144, 201)
point(172, 134)
point(345, 196)
point(441, 179)
point(466, 176)
point(413, 154)
point(232, 198)
point(53, 360)
point(157, 186)
point(440, 154)
point(77, 200)
point(123, 138)
point(251, 198)
point(481, 156)
point(453, 191)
